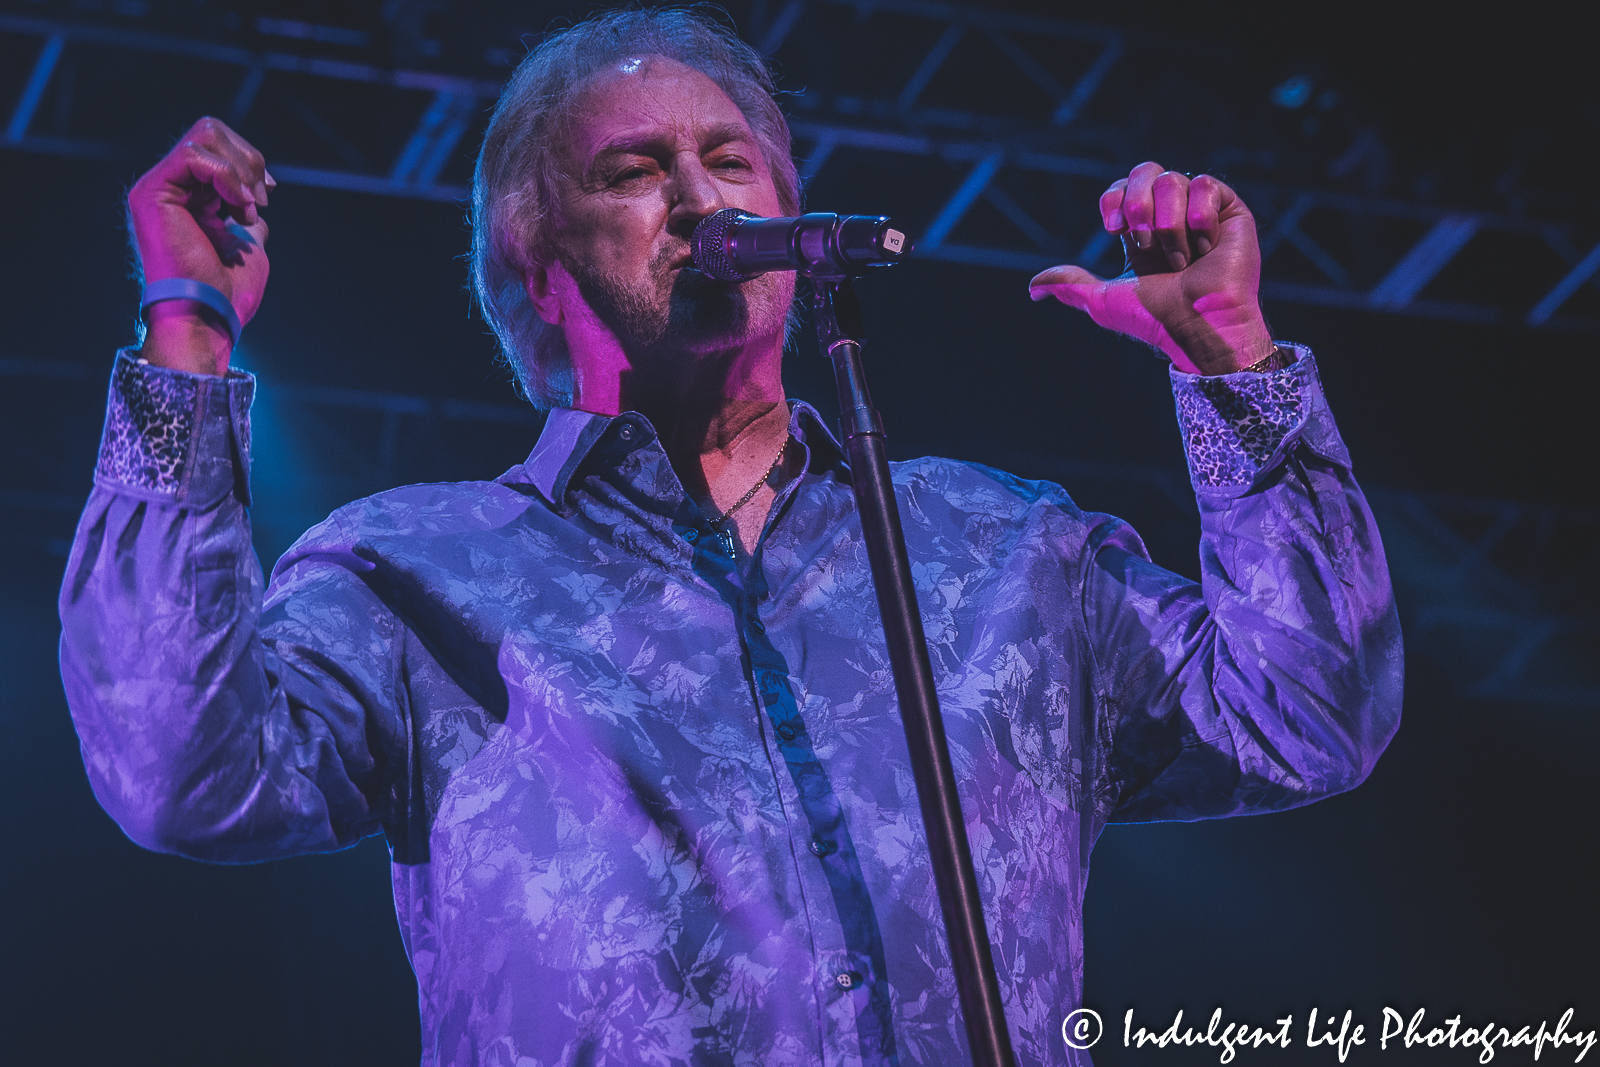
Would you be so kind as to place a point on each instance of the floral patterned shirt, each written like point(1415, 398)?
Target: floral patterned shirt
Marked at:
point(648, 798)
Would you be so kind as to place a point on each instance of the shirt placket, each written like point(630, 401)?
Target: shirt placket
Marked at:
point(851, 973)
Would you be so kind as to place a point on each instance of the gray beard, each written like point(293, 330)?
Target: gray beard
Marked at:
point(688, 313)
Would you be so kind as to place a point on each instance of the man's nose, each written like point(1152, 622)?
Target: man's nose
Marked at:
point(695, 194)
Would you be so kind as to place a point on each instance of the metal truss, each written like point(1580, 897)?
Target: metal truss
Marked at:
point(885, 89)
point(1500, 595)
point(449, 104)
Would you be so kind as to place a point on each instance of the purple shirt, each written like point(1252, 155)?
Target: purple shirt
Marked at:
point(648, 798)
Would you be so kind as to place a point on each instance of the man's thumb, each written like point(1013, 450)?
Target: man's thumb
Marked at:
point(1071, 285)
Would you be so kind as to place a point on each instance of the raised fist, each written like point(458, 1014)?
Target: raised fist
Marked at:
point(196, 215)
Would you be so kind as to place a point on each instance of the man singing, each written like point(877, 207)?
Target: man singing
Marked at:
point(625, 714)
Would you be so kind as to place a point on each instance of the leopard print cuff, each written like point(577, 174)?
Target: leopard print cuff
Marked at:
point(1233, 424)
point(175, 437)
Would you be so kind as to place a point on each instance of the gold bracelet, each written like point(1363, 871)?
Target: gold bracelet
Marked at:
point(1275, 360)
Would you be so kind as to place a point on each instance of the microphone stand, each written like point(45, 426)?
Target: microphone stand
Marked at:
point(838, 325)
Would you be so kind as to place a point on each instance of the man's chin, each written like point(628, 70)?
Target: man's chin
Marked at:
point(705, 315)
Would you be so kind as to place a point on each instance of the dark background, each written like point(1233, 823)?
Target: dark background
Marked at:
point(1459, 879)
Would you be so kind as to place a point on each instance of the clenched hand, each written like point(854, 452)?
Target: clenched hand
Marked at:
point(196, 215)
point(1193, 272)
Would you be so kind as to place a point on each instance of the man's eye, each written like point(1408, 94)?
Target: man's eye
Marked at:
point(731, 163)
point(629, 174)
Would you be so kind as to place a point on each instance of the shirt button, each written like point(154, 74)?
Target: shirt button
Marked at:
point(691, 536)
point(786, 732)
point(821, 847)
point(757, 626)
point(626, 433)
point(846, 979)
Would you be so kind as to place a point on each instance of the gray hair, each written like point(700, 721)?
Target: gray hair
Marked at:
point(515, 182)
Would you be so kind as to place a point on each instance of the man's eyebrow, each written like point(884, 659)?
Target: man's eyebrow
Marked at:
point(645, 144)
point(724, 132)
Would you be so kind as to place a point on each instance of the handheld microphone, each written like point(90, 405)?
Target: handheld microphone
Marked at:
point(735, 246)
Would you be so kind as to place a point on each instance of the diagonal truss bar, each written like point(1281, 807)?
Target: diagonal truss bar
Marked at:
point(1564, 248)
point(1028, 65)
point(438, 132)
point(1019, 217)
point(1516, 659)
point(1425, 260)
point(929, 66)
point(1564, 289)
point(1287, 219)
point(1319, 256)
point(774, 37)
point(976, 181)
point(33, 91)
point(817, 159)
point(1081, 93)
point(245, 97)
point(1287, 228)
point(1094, 248)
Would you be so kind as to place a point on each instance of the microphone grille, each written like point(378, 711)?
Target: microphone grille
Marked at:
point(708, 245)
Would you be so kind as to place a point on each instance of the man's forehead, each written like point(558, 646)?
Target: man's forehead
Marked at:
point(644, 95)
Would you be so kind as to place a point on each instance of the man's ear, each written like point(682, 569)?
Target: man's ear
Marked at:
point(543, 284)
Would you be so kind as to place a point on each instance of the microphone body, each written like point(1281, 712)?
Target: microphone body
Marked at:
point(735, 246)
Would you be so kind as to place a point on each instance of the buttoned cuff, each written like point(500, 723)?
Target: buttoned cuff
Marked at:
point(176, 437)
point(1236, 427)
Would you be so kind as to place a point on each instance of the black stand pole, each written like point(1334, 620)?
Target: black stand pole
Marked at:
point(838, 323)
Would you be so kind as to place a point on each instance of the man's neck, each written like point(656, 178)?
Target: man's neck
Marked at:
point(722, 419)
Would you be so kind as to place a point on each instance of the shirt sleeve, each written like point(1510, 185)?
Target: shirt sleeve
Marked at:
point(1278, 679)
point(199, 735)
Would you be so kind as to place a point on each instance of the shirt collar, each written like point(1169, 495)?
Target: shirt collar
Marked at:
point(566, 439)
point(569, 435)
